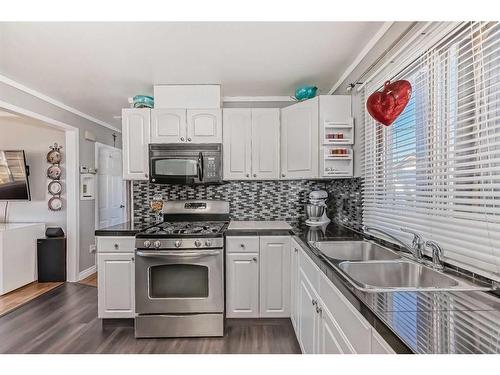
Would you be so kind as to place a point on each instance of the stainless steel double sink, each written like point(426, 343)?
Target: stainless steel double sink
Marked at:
point(373, 268)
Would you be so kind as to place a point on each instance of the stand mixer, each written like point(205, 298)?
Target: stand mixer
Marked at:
point(316, 209)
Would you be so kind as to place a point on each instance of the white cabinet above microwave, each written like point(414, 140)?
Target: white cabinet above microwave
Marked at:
point(186, 125)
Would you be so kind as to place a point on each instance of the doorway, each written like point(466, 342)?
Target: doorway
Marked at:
point(111, 197)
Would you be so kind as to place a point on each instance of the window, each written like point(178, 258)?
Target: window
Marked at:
point(436, 169)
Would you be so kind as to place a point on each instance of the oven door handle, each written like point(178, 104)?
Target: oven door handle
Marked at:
point(162, 254)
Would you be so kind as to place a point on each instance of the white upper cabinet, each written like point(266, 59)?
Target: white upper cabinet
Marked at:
point(168, 125)
point(237, 124)
point(135, 139)
point(204, 125)
point(251, 143)
point(265, 143)
point(300, 140)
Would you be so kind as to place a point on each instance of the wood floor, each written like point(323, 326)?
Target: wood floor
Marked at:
point(90, 280)
point(19, 297)
point(64, 320)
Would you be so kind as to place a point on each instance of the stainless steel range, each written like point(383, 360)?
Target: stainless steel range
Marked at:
point(179, 271)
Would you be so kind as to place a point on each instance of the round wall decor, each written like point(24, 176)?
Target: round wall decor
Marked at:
point(55, 203)
point(55, 187)
point(54, 172)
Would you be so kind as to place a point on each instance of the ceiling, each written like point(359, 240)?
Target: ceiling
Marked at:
point(95, 67)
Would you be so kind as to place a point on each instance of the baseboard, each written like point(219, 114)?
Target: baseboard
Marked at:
point(86, 273)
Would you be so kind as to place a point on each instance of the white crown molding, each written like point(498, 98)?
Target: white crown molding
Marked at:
point(367, 48)
point(236, 99)
point(55, 102)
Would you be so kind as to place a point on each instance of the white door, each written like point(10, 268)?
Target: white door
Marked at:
point(135, 140)
point(237, 125)
point(274, 276)
point(204, 125)
point(308, 318)
point(294, 291)
point(300, 140)
point(168, 126)
point(116, 285)
point(242, 285)
point(265, 143)
point(111, 209)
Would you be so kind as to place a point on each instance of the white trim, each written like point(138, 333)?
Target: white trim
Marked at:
point(72, 186)
point(235, 99)
point(55, 102)
point(86, 273)
point(367, 48)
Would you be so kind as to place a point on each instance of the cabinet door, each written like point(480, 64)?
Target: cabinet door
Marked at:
point(274, 276)
point(237, 143)
point(168, 125)
point(265, 143)
point(294, 283)
point(135, 140)
point(116, 285)
point(308, 317)
point(300, 140)
point(331, 338)
point(204, 125)
point(242, 285)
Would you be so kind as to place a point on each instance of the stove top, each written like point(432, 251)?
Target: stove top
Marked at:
point(185, 229)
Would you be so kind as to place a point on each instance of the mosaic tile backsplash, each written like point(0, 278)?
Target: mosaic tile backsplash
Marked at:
point(261, 200)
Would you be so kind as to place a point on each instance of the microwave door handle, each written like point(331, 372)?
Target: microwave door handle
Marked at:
point(200, 166)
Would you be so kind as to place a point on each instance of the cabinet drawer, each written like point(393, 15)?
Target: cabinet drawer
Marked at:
point(242, 244)
point(115, 244)
point(355, 328)
point(309, 268)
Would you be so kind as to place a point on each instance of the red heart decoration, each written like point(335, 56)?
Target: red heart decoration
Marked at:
point(386, 106)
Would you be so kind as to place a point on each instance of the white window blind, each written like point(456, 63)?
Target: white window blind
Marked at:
point(436, 169)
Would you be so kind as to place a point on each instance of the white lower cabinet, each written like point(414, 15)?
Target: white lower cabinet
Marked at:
point(116, 285)
point(308, 321)
point(242, 285)
point(258, 277)
point(325, 321)
point(294, 282)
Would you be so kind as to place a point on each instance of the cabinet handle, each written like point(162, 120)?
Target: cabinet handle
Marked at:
point(116, 246)
point(254, 259)
point(189, 139)
point(319, 310)
point(242, 245)
point(133, 259)
point(146, 175)
point(248, 174)
point(283, 175)
point(296, 250)
point(314, 302)
point(255, 174)
point(182, 139)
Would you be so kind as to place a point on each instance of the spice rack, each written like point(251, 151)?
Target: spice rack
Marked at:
point(337, 153)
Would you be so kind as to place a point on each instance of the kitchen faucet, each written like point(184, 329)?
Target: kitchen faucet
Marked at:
point(437, 255)
point(417, 246)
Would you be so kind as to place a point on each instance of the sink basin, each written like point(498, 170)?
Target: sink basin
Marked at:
point(397, 275)
point(354, 251)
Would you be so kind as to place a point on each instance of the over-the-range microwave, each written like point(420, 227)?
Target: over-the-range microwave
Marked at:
point(189, 164)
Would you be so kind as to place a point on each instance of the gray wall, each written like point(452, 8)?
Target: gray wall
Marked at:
point(103, 135)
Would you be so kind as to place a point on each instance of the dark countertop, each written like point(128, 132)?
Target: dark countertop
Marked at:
point(420, 322)
point(128, 228)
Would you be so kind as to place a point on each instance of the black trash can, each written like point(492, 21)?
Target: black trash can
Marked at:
point(51, 259)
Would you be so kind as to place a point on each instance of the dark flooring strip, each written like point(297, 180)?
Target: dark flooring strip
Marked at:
point(64, 320)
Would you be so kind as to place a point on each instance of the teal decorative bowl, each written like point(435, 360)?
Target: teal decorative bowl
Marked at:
point(305, 92)
point(143, 101)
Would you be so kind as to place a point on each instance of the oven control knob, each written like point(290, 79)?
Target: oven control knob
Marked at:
point(208, 243)
point(157, 244)
point(147, 243)
point(177, 243)
point(197, 243)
